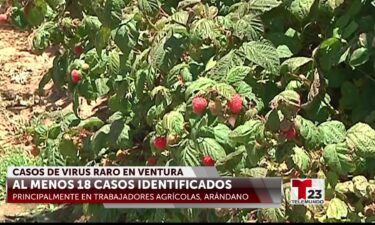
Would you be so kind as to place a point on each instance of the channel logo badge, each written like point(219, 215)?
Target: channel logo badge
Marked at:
point(307, 191)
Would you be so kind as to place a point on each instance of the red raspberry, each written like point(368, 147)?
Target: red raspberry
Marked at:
point(76, 76)
point(3, 18)
point(235, 104)
point(290, 134)
point(160, 143)
point(208, 161)
point(151, 161)
point(199, 105)
point(78, 50)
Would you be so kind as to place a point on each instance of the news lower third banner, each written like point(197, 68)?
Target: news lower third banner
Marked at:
point(141, 187)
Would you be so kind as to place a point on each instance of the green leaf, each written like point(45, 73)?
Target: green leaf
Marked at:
point(173, 122)
point(309, 133)
point(339, 158)
point(119, 135)
point(249, 27)
point(360, 185)
point(99, 139)
point(251, 130)
point(293, 64)
point(274, 118)
point(223, 66)
point(263, 54)
point(101, 86)
point(204, 29)
point(114, 63)
point(102, 39)
point(201, 84)
point(334, 132)
point(330, 52)
point(188, 155)
point(225, 90)
point(91, 123)
point(165, 53)
point(300, 8)
point(221, 133)
point(258, 7)
point(301, 159)
point(288, 102)
point(337, 209)
point(112, 14)
point(209, 146)
point(35, 11)
point(149, 7)
point(359, 56)
point(361, 138)
point(230, 161)
point(254, 172)
point(237, 74)
point(18, 18)
point(68, 149)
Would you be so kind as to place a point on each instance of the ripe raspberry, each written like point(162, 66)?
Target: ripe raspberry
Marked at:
point(199, 105)
point(160, 143)
point(235, 104)
point(3, 18)
point(151, 161)
point(78, 50)
point(76, 76)
point(208, 161)
point(290, 134)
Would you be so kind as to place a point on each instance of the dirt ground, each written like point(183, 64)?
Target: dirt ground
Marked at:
point(20, 73)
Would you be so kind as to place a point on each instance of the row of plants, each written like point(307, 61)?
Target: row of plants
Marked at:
point(256, 88)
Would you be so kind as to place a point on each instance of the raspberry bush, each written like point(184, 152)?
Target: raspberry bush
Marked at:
point(257, 88)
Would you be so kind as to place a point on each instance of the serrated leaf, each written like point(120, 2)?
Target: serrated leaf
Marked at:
point(339, 158)
point(188, 154)
point(337, 209)
point(334, 132)
point(223, 65)
point(258, 7)
point(225, 90)
point(204, 28)
point(201, 84)
point(114, 63)
point(173, 122)
point(251, 130)
point(166, 52)
point(149, 7)
point(112, 13)
point(263, 54)
point(361, 138)
point(309, 133)
point(237, 74)
point(249, 27)
point(210, 147)
point(300, 8)
point(301, 159)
